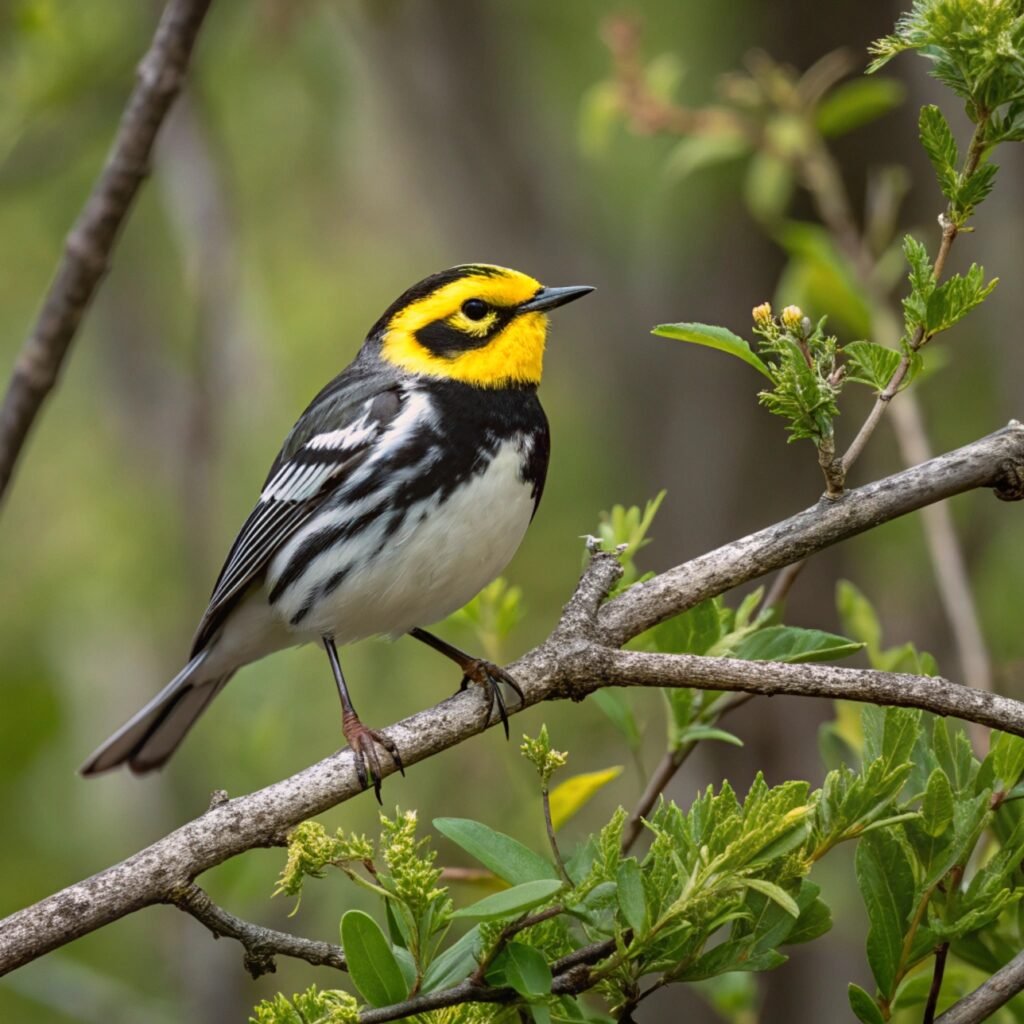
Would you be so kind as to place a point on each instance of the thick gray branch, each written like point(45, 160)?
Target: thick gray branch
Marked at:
point(261, 944)
point(994, 461)
point(575, 659)
point(88, 247)
point(987, 998)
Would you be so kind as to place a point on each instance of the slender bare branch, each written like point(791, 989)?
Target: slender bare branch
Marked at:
point(770, 678)
point(261, 944)
point(987, 998)
point(575, 659)
point(949, 234)
point(90, 243)
point(947, 558)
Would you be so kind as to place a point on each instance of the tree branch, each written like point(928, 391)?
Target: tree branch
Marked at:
point(773, 678)
point(261, 944)
point(88, 247)
point(991, 462)
point(987, 998)
point(573, 661)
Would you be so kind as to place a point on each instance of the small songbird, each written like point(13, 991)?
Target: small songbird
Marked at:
point(404, 488)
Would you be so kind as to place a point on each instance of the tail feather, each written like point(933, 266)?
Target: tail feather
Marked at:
point(149, 737)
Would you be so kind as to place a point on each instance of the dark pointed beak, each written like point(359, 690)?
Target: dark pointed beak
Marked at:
point(551, 298)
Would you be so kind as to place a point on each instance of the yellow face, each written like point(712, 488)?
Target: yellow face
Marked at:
point(467, 324)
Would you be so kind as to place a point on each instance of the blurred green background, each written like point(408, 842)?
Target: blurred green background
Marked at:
point(327, 154)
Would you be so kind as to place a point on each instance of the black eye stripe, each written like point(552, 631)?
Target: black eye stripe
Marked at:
point(441, 339)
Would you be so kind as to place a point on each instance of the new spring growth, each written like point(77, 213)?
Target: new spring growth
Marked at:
point(801, 362)
point(329, 1006)
point(539, 753)
point(410, 864)
point(311, 850)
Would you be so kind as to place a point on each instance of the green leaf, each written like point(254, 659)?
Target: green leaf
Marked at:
point(695, 152)
point(774, 893)
point(523, 968)
point(886, 882)
point(768, 186)
point(793, 645)
point(975, 190)
point(858, 616)
point(870, 363)
point(505, 856)
point(371, 960)
point(714, 337)
point(630, 894)
point(733, 955)
point(456, 963)
point(864, 1007)
point(856, 103)
point(939, 144)
point(511, 902)
point(540, 1013)
point(616, 707)
point(695, 631)
point(819, 277)
point(706, 732)
point(814, 921)
point(569, 796)
point(951, 301)
point(600, 111)
point(1007, 753)
point(937, 806)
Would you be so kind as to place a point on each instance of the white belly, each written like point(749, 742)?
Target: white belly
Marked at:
point(433, 564)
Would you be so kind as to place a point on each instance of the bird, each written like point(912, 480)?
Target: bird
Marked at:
point(403, 489)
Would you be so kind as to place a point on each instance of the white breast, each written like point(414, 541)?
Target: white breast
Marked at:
point(438, 559)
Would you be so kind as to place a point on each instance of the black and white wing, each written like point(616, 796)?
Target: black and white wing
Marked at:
point(311, 465)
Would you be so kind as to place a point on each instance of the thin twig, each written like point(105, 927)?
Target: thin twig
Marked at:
point(261, 944)
point(510, 931)
point(575, 659)
point(947, 557)
point(936, 988)
point(549, 825)
point(949, 233)
point(90, 243)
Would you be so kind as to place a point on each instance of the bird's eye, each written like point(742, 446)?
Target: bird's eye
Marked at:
point(475, 309)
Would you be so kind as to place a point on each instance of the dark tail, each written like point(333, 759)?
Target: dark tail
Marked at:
point(148, 739)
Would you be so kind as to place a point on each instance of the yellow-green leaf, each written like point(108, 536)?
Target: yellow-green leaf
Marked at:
point(714, 337)
point(568, 797)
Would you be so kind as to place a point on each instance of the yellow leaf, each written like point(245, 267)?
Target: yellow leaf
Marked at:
point(568, 797)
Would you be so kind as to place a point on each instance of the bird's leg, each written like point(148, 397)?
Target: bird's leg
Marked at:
point(361, 739)
point(476, 670)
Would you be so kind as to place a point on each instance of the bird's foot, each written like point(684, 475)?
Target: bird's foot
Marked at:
point(364, 743)
point(491, 677)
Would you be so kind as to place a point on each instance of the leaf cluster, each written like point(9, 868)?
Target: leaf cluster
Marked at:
point(917, 861)
point(976, 48)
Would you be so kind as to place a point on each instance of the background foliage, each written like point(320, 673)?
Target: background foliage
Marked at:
point(328, 155)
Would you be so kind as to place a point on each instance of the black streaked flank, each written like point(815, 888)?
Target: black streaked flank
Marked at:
point(465, 433)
